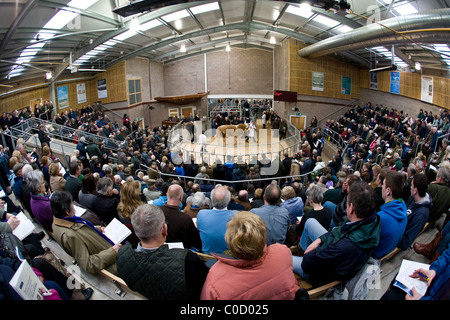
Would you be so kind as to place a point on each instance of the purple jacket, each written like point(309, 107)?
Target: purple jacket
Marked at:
point(40, 207)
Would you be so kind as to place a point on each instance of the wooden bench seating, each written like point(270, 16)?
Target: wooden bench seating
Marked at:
point(122, 287)
point(391, 254)
point(319, 291)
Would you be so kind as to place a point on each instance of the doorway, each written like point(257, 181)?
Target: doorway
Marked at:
point(186, 111)
point(298, 121)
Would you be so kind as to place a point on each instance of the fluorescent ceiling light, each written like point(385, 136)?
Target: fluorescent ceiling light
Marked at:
point(175, 16)
point(418, 66)
point(344, 29)
point(228, 48)
point(325, 21)
point(205, 8)
point(299, 12)
point(273, 40)
point(405, 8)
point(183, 48)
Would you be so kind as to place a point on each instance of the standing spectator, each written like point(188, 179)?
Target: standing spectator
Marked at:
point(73, 183)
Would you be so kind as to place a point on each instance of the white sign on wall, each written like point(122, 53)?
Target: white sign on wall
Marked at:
point(427, 89)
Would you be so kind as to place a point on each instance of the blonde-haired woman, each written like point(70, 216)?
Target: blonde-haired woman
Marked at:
point(253, 271)
point(130, 199)
point(57, 181)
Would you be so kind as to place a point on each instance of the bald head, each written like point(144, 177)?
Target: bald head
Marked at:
point(220, 197)
point(174, 194)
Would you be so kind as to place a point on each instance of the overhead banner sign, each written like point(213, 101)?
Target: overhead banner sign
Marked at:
point(427, 89)
point(101, 89)
point(317, 81)
point(287, 96)
point(395, 82)
point(81, 93)
point(63, 97)
point(346, 85)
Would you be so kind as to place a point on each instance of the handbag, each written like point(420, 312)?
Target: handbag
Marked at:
point(12, 247)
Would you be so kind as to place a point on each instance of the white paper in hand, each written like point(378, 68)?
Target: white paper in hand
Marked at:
point(26, 283)
point(25, 227)
point(116, 231)
point(407, 268)
point(79, 211)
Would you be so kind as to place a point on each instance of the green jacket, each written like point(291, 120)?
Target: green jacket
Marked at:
point(440, 193)
point(93, 150)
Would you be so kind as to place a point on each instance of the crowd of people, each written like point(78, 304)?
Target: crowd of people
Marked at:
point(337, 215)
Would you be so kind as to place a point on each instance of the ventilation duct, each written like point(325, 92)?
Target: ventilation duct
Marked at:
point(423, 27)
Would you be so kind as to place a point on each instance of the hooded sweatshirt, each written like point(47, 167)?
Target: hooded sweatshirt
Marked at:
point(393, 226)
point(417, 214)
point(343, 251)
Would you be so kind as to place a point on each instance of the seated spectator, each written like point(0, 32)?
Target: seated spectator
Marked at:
point(212, 223)
point(40, 202)
point(57, 181)
point(195, 203)
point(242, 199)
point(105, 206)
point(418, 209)
point(275, 217)
point(9, 222)
point(201, 175)
point(180, 276)
point(323, 215)
point(292, 203)
point(340, 253)
point(88, 192)
point(392, 214)
point(252, 270)
point(150, 191)
point(440, 192)
point(438, 275)
point(182, 228)
point(129, 200)
point(92, 250)
point(258, 200)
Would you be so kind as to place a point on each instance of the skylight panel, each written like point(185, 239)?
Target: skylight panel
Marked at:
point(81, 4)
point(344, 29)
point(205, 8)
point(60, 19)
point(175, 16)
point(124, 35)
point(299, 11)
point(149, 25)
point(325, 21)
point(405, 8)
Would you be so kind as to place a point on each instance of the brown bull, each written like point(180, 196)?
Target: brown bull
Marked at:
point(223, 129)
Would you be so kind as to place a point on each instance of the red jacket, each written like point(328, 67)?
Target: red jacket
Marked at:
point(268, 278)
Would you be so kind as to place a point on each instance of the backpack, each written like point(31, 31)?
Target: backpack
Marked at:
point(358, 287)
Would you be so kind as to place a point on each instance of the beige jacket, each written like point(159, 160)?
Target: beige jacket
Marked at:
point(92, 252)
